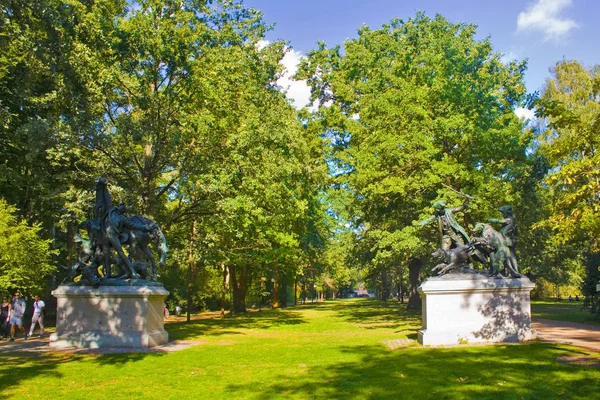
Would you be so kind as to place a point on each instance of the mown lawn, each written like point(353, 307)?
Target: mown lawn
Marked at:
point(563, 310)
point(333, 350)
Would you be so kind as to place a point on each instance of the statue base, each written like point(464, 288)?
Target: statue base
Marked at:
point(465, 308)
point(109, 317)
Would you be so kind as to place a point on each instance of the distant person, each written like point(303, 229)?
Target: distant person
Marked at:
point(576, 297)
point(165, 311)
point(4, 318)
point(570, 298)
point(16, 315)
point(178, 310)
point(38, 317)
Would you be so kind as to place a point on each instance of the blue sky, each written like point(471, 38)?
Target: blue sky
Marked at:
point(542, 31)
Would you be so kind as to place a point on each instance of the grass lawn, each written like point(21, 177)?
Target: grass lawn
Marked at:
point(563, 310)
point(333, 350)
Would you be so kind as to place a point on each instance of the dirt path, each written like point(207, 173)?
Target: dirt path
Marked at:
point(580, 335)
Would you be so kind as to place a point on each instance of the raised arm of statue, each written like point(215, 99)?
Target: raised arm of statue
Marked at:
point(460, 208)
point(427, 220)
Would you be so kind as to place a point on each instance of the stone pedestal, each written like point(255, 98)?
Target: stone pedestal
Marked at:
point(109, 317)
point(465, 308)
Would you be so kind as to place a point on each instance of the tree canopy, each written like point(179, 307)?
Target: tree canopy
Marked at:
point(407, 109)
point(177, 102)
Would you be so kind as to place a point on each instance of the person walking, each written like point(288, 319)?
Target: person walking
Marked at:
point(38, 317)
point(5, 308)
point(16, 315)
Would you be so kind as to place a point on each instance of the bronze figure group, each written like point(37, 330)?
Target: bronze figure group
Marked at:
point(490, 247)
point(111, 230)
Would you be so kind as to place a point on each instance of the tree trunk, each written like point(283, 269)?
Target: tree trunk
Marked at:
point(224, 290)
point(414, 276)
point(239, 285)
point(296, 291)
point(192, 270)
point(303, 294)
point(70, 241)
point(284, 286)
point(275, 288)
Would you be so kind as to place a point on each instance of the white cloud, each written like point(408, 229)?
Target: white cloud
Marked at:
point(544, 16)
point(297, 91)
point(524, 113)
point(261, 44)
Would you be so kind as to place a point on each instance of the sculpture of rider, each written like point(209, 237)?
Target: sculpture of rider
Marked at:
point(117, 225)
point(452, 234)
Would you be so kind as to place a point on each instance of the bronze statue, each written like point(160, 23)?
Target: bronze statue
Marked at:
point(509, 232)
point(452, 259)
point(452, 234)
point(457, 250)
point(112, 230)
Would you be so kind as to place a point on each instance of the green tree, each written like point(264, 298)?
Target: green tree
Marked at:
point(187, 113)
point(36, 99)
point(570, 107)
point(407, 108)
point(25, 258)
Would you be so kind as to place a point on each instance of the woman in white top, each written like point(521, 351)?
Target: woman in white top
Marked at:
point(38, 316)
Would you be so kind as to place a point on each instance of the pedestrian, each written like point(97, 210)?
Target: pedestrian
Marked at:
point(4, 318)
point(178, 310)
point(16, 315)
point(38, 317)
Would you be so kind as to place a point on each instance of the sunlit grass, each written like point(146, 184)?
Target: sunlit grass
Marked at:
point(563, 310)
point(336, 349)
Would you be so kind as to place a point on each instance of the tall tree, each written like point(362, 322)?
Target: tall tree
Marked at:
point(36, 100)
point(407, 108)
point(570, 107)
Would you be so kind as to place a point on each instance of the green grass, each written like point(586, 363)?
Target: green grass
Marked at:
point(563, 310)
point(332, 350)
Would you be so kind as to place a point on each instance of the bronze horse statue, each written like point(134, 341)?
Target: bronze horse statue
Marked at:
point(116, 230)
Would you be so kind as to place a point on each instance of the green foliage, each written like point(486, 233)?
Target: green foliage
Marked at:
point(24, 257)
point(570, 107)
point(35, 101)
point(407, 108)
point(177, 104)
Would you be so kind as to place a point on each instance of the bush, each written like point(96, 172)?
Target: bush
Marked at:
point(25, 258)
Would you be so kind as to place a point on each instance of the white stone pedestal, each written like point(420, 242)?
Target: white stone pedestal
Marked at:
point(109, 317)
point(460, 308)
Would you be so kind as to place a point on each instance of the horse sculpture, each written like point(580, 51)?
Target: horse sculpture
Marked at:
point(139, 240)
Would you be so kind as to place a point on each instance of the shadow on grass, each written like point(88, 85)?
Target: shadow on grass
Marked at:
point(18, 367)
point(377, 314)
point(233, 324)
point(509, 371)
point(123, 359)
